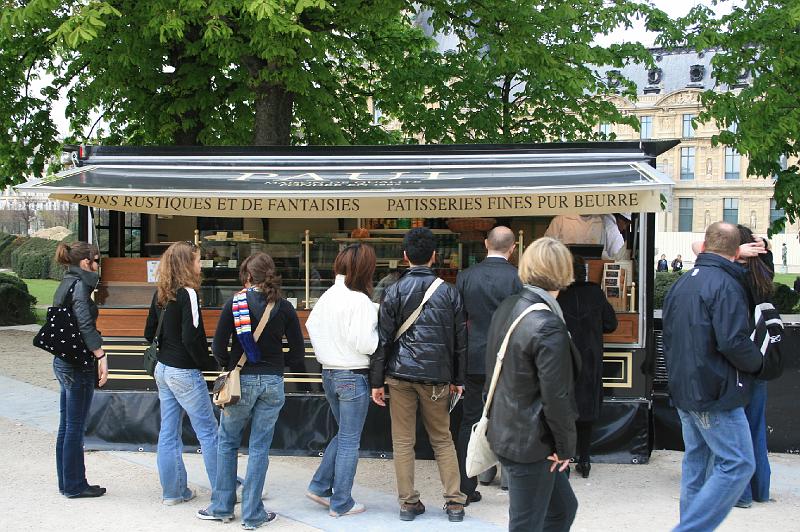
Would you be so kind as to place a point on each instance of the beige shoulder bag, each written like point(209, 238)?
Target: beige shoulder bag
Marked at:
point(227, 389)
point(480, 456)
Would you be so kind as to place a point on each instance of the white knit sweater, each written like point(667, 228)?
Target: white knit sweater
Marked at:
point(343, 328)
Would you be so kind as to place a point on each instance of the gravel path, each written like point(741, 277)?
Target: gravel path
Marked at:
point(615, 497)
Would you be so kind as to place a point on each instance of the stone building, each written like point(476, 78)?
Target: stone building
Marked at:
point(711, 183)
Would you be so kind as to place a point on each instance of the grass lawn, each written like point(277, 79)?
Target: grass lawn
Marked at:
point(786, 278)
point(42, 290)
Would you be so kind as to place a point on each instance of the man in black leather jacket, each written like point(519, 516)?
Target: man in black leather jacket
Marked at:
point(423, 366)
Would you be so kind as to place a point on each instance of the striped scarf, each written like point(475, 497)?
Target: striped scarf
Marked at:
point(241, 319)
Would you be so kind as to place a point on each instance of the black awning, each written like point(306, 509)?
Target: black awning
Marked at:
point(362, 182)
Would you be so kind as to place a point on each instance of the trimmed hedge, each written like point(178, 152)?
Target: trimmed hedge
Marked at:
point(8, 244)
point(785, 299)
point(662, 285)
point(18, 304)
point(35, 259)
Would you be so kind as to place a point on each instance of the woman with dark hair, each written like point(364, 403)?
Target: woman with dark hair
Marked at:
point(343, 328)
point(588, 315)
point(261, 380)
point(77, 383)
point(758, 286)
point(182, 357)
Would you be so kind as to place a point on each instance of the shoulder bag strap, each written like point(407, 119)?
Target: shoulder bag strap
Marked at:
point(417, 311)
point(160, 321)
point(69, 293)
point(501, 353)
point(259, 329)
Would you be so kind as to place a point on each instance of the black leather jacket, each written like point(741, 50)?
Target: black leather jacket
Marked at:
point(431, 351)
point(82, 305)
point(533, 411)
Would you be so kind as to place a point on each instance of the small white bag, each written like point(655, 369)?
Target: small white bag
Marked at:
point(480, 456)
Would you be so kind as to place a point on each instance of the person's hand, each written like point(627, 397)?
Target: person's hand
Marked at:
point(98, 352)
point(377, 396)
point(102, 371)
point(558, 463)
point(752, 249)
point(456, 389)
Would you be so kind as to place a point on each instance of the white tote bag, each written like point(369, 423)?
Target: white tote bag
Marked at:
point(480, 456)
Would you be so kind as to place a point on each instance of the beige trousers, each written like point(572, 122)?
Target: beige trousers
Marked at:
point(433, 401)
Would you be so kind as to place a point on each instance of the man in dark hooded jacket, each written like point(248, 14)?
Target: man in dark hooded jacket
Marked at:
point(710, 362)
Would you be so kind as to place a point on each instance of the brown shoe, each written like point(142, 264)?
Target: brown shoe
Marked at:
point(409, 511)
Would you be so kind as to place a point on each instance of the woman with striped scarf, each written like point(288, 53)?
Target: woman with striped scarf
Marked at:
point(262, 394)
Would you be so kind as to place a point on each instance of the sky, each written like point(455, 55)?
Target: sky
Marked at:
point(674, 8)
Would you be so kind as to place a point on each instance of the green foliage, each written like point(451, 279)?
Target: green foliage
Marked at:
point(17, 307)
point(663, 283)
point(785, 299)
point(759, 38)
point(34, 259)
point(203, 72)
point(8, 246)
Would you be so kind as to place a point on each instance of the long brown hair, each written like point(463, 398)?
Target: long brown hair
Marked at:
point(259, 270)
point(73, 254)
point(176, 270)
point(759, 278)
point(357, 263)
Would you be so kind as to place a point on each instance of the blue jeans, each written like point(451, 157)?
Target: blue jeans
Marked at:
point(179, 390)
point(758, 487)
point(348, 394)
point(261, 402)
point(77, 389)
point(717, 465)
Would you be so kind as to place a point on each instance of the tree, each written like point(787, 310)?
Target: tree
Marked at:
point(757, 104)
point(525, 71)
point(194, 72)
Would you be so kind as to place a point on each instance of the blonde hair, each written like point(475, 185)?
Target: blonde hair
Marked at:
point(176, 270)
point(547, 263)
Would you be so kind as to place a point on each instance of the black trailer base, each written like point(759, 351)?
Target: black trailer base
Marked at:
point(130, 420)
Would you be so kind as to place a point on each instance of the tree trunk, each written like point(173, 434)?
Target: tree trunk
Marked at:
point(273, 115)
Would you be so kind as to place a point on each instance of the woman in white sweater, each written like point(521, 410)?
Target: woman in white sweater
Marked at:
point(343, 327)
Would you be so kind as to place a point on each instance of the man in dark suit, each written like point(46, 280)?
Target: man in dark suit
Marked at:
point(482, 287)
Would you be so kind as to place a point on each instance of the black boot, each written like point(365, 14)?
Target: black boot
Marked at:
point(584, 468)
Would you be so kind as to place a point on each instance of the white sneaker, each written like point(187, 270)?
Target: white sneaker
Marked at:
point(357, 508)
point(322, 501)
point(173, 502)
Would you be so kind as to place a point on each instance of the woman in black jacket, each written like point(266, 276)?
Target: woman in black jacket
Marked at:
point(533, 412)
point(182, 355)
point(77, 383)
point(588, 315)
point(262, 392)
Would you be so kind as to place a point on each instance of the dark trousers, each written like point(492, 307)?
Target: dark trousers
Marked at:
point(472, 408)
point(77, 389)
point(538, 499)
point(584, 430)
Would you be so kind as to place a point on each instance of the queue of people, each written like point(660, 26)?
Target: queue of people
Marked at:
point(427, 340)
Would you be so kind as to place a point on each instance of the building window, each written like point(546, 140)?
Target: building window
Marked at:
point(730, 210)
point(734, 127)
point(377, 114)
point(732, 164)
point(685, 214)
point(605, 129)
point(775, 212)
point(687, 163)
point(102, 225)
point(688, 128)
point(646, 127)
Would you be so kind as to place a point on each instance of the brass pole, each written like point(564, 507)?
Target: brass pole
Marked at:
point(520, 247)
point(308, 243)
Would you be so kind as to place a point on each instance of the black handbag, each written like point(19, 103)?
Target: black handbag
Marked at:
point(151, 353)
point(61, 336)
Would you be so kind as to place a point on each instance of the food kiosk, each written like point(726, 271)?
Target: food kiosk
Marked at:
point(301, 205)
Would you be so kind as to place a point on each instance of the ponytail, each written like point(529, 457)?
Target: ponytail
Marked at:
point(73, 254)
point(62, 254)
